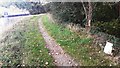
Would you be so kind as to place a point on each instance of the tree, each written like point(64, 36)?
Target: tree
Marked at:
point(32, 7)
point(88, 10)
point(106, 11)
point(67, 12)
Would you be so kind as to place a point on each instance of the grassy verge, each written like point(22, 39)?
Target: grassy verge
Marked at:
point(25, 46)
point(79, 47)
point(35, 51)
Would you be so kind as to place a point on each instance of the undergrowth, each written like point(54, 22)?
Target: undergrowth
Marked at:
point(79, 47)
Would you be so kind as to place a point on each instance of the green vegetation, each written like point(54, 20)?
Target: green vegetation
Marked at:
point(105, 16)
point(111, 28)
point(34, 47)
point(75, 12)
point(79, 47)
point(24, 45)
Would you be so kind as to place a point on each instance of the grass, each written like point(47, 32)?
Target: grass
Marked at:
point(79, 47)
point(24, 45)
point(35, 51)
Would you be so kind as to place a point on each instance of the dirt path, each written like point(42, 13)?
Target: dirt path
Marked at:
point(61, 58)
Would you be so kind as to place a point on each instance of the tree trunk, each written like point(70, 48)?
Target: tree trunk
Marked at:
point(119, 9)
point(89, 16)
point(85, 9)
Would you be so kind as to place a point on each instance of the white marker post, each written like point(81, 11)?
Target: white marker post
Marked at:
point(108, 48)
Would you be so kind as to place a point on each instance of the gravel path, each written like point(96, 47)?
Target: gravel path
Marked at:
point(60, 57)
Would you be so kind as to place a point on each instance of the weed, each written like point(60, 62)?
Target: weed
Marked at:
point(79, 47)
